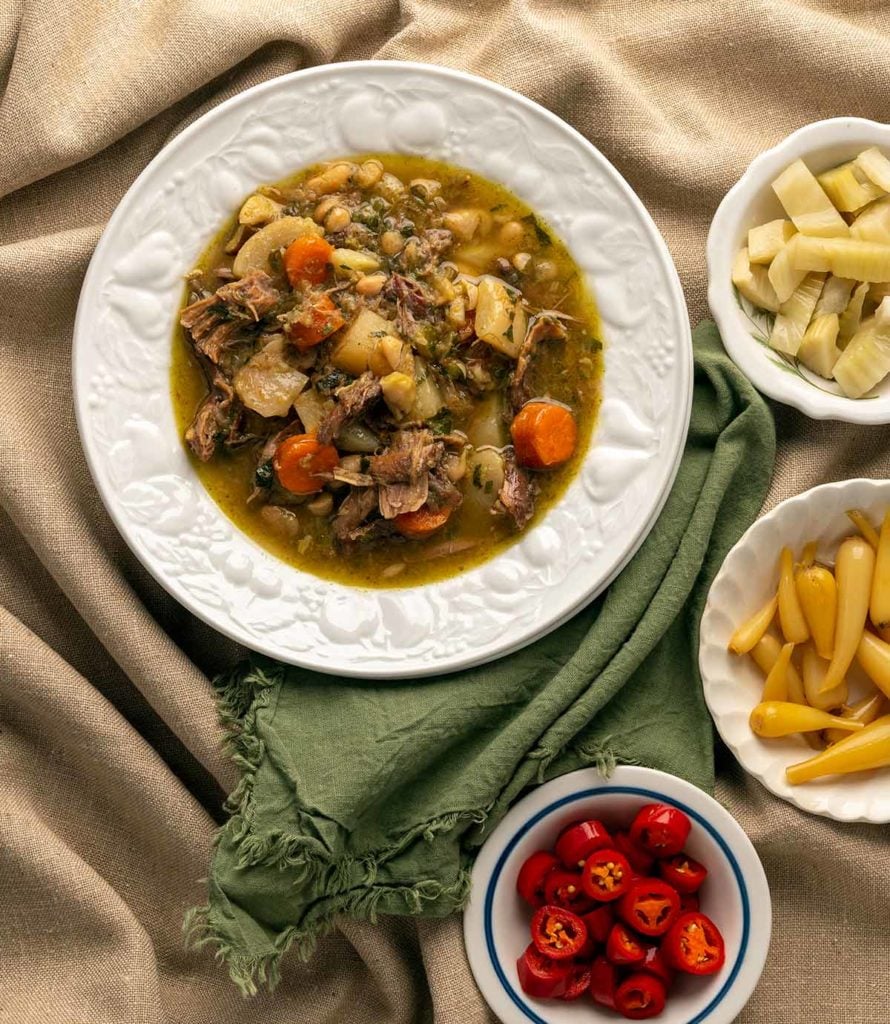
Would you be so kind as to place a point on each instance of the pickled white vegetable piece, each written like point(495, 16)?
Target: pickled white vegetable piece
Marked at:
point(866, 360)
point(765, 241)
point(794, 315)
point(848, 188)
point(851, 317)
point(819, 350)
point(806, 203)
point(845, 257)
point(783, 276)
point(873, 223)
point(835, 295)
point(875, 166)
point(753, 282)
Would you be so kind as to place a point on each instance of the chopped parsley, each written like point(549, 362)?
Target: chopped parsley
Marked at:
point(441, 423)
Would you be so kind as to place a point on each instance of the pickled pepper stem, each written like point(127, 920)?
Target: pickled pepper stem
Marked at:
point(863, 750)
point(865, 711)
point(791, 617)
point(854, 568)
point(863, 524)
point(879, 605)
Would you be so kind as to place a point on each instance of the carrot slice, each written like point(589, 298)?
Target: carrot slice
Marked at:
point(307, 259)
point(422, 523)
point(316, 323)
point(544, 435)
point(299, 459)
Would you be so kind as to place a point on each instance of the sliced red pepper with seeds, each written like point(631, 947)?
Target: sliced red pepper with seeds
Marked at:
point(694, 945)
point(623, 948)
point(660, 829)
point(683, 873)
point(578, 842)
point(530, 880)
point(650, 907)
point(640, 997)
point(558, 933)
point(541, 976)
point(564, 888)
point(603, 982)
point(606, 875)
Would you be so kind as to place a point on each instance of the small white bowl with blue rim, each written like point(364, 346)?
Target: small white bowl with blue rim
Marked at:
point(735, 895)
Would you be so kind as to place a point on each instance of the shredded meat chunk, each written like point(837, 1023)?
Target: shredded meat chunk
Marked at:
point(215, 323)
point(411, 302)
point(410, 454)
point(544, 327)
point(354, 510)
point(517, 492)
point(216, 419)
point(353, 400)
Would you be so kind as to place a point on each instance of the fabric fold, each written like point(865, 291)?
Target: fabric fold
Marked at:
point(371, 797)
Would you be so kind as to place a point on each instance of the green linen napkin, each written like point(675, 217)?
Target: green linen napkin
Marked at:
point(365, 797)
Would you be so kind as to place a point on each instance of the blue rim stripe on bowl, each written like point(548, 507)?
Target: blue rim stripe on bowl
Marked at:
point(583, 795)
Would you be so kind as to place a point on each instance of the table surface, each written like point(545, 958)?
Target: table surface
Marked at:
point(112, 770)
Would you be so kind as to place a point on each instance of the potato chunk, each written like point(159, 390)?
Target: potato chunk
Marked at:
point(495, 308)
point(358, 343)
point(268, 383)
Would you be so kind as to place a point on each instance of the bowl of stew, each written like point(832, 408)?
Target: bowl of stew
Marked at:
point(382, 369)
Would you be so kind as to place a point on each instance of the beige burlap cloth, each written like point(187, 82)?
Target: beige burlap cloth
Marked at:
point(109, 748)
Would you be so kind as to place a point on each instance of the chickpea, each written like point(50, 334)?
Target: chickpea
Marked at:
point(521, 260)
point(323, 505)
point(370, 284)
point(511, 233)
point(370, 172)
point(545, 270)
point(337, 219)
point(391, 242)
point(324, 207)
point(331, 179)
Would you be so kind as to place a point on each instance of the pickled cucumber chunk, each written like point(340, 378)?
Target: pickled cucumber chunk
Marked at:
point(753, 283)
point(806, 203)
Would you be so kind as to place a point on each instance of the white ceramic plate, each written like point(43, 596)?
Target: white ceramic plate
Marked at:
point(736, 896)
point(733, 684)
point(122, 348)
point(744, 330)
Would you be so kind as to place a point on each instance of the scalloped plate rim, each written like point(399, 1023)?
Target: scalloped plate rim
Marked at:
point(419, 668)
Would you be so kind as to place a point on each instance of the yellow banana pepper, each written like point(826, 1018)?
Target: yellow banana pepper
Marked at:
point(853, 569)
point(865, 711)
point(776, 685)
point(794, 625)
point(817, 592)
point(873, 654)
point(865, 749)
point(773, 718)
point(765, 654)
point(879, 605)
point(814, 669)
point(747, 635)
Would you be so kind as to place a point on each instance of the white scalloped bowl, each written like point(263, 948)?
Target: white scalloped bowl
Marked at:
point(750, 202)
point(736, 896)
point(733, 684)
point(122, 352)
